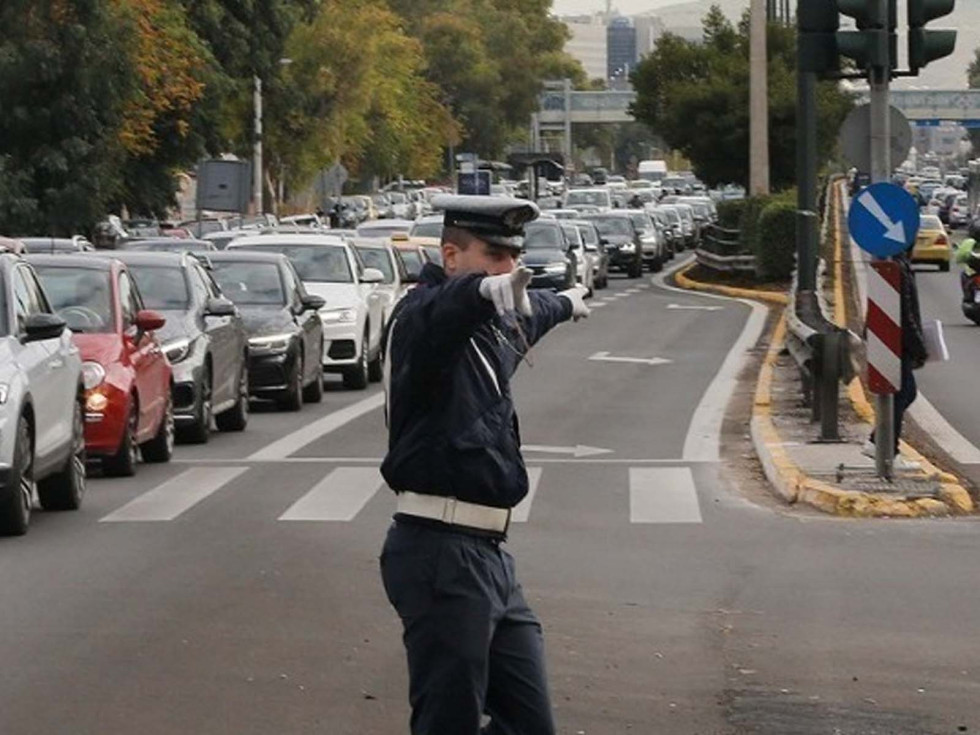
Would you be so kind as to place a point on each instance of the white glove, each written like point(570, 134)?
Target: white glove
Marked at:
point(508, 292)
point(576, 294)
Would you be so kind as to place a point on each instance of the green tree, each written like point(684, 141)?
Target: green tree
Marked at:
point(696, 96)
point(65, 83)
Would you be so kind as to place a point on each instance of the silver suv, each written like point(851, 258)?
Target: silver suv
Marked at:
point(42, 428)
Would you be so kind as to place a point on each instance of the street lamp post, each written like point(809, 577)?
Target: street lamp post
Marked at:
point(257, 152)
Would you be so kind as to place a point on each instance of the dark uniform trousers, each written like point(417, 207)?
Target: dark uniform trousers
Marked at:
point(474, 646)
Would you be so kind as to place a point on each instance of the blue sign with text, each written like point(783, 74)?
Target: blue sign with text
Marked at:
point(884, 220)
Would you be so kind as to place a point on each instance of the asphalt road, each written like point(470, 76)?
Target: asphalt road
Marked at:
point(236, 590)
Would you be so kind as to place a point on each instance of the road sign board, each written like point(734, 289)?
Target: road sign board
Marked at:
point(884, 220)
point(855, 138)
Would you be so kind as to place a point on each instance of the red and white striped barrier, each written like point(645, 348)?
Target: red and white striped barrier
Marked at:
point(884, 327)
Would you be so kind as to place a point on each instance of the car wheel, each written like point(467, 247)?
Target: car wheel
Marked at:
point(161, 447)
point(199, 431)
point(944, 267)
point(123, 462)
point(636, 269)
point(657, 265)
point(292, 399)
point(236, 417)
point(15, 508)
point(65, 489)
point(313, 393)
point(356, 378)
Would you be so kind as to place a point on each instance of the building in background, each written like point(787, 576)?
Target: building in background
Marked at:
point(621, 55)
point(588, 43)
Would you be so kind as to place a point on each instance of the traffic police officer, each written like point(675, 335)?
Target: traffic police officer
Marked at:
point(474, 646)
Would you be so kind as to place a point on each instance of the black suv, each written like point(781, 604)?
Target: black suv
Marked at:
point(547, 253)
point(623, 241)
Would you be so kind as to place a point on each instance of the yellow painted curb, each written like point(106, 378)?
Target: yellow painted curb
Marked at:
point(794, 485)
point(682, 280)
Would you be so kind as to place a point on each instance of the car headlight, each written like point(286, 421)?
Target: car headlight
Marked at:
point(178, 350)
point(554, 268)
point(4, 392)
point(628, 247)
point(338, 316)
point(270, 343)
point(92, 374)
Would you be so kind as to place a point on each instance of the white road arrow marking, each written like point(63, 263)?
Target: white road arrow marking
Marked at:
point(606, 357)
point(692, 307)
point(578, 450)
point(893, 230)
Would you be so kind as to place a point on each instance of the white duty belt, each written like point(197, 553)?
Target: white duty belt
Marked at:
point(454, 512)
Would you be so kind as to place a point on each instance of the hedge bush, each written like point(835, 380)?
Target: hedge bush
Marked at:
point(730, 213)
point(749, 224)
point(775, 239)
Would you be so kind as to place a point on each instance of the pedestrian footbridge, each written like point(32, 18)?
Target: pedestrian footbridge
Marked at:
point(921, 107)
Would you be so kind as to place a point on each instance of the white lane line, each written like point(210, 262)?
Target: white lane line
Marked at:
point(321, 427)
point(597, 305)
point(167, 501)
point(337, 497)
point(663, 495)
point(523, 509)
point(703, 440)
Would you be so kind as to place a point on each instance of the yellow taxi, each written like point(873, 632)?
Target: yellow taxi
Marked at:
point(932, 244)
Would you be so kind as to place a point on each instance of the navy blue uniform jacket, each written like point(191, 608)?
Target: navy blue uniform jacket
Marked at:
point(451, 421)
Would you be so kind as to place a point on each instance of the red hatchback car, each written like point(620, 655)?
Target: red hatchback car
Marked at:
point(126, 375)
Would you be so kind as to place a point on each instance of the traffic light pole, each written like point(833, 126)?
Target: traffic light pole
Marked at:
point(881, 168)
point(807, 231)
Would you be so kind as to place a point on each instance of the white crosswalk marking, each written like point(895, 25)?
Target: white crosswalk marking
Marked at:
point(337, 497)
point(663, 495)
point(598, 305)
point(167, 501)
point(523, 509)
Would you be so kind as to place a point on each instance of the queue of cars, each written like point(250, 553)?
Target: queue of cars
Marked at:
point(110, 357)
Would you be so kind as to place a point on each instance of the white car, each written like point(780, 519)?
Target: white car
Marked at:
point(585, 261)
point(42, 422)
point(353, 315)
point(592, 199)
point(381, 255)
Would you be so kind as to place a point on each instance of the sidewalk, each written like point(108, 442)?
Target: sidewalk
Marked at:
point(835, 478)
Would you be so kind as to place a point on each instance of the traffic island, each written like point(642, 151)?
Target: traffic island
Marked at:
point(834, 478)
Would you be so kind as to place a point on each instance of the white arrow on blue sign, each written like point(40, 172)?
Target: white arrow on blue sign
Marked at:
point(884, 220)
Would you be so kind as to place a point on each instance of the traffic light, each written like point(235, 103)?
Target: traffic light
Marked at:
point(818, 22)
point(924, 45)
point(873, 45)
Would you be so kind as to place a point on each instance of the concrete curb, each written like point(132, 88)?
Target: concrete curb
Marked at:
point(794, 485)
point(773, 297)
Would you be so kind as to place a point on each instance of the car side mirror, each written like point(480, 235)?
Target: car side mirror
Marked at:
point(219, 307)
point(372, 275)
point(147, 320)
point(312, 302)
point(42, 326)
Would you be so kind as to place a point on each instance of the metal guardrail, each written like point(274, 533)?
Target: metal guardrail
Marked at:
point(719, 251)
point(821, 350)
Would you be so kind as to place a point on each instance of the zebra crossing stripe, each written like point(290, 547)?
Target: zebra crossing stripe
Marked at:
point(167, 501)
point(337, 497)
point(663, 495)
point(523, 509)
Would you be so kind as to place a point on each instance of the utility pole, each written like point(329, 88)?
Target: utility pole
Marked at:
point(758, 101)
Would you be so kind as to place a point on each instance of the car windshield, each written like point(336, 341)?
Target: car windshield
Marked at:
point(412, 260)
point(930, 222)
point(672, 215)
point(313, 263)
point(177, 246)
point(595, 198)
point(162, 287)
point(641, 221)
point(80, 296)
point(613, 226)
point(377, 258)
point(396, 197)
point(571, 232)
point(381, 231)
point(542, 237)
point(434, 253)
point(589, 236)
point(246, 282)
point(427, 229)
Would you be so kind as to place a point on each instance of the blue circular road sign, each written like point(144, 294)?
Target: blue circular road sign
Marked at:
point(884, 220)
